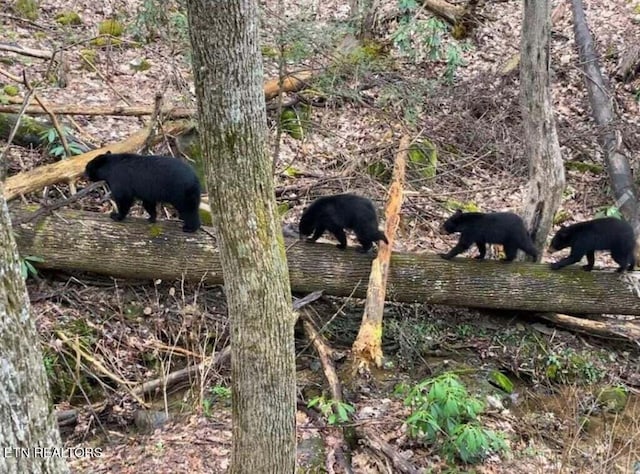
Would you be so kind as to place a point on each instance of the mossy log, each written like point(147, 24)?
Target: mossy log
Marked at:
point(29, 131)
point(73, 240)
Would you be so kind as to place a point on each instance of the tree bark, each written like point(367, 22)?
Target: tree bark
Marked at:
point(72, 240)
point(546, 169)
point(620, 174)
point(233, 128)
point(26, 422)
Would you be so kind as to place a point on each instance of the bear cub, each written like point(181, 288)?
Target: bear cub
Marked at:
point(504, 228)
point(151, 179)
point(339, 212)
point(585, 238)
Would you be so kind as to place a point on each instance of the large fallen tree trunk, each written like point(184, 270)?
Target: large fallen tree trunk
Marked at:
point(83, 241)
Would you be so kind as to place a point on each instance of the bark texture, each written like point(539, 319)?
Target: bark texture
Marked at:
point(546, 169)
point(26, 422)
point(232, 115)
point(85, 241)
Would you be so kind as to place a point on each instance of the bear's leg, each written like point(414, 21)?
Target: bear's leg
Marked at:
point(510, 251)
point(574, 257)
point(482, 248)
point(317, 233)
point(150, 207)
point(462, 245)
point(591, 259)
point(191, 220)
point(338, 232)
point(124, 203)
point(625, 260)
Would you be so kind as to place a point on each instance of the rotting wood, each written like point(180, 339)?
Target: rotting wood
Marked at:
point(165, 382)
point(324, 352)
point(73, 240)
point(367, 348)
point(382, 448)
point(64, 170)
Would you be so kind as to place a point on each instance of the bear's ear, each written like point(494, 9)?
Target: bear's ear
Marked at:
point(108, 152)
point(458, 212)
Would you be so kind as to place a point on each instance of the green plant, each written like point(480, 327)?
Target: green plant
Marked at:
point(609, 211)
point(444, 414)
point(51, 137)
point(26, 265)
point(334, 411)
point(220, 391)
point(424, 39)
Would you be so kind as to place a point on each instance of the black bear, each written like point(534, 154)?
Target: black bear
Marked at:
point(504, 228)
point(339, 212)
point(151, 179)
point(585, 238)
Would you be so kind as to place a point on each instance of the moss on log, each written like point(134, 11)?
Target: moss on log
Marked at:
point(73, 240)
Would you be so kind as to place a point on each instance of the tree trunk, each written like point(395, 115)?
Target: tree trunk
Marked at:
point(546, 169)
point(232, 114)
point(26, 422)
point(73, 240)
point(609, 138)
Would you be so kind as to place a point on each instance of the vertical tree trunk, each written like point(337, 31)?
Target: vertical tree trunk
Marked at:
point(228, 77)
point(26, 422)
point(363, 17)
point(546, 169)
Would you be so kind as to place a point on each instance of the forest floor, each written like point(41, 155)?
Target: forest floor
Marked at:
point(455, 97)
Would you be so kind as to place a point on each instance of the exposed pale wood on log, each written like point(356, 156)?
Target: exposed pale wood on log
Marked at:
point(291, 83)
point(74, 240)
point(367, 348)
point(34, 53)
point(124, 111)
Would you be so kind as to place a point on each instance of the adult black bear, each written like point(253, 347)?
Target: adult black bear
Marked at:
point(503, 228)
point(585, 238)
point(151, 179)
point(339, 212)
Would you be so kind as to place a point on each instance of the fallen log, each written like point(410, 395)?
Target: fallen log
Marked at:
point(73, 240)
point(290, 83)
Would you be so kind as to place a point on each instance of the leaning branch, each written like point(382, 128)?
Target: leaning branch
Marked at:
point(609, 138)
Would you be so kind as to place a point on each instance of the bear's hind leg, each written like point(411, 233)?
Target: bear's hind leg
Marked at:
point(150, 207)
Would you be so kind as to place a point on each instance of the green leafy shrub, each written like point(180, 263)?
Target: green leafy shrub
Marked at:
point(444, 414)
point(334, 411)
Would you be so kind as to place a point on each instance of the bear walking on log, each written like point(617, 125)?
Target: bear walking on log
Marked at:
point(505, 228)
point(585, 238)
point(339, 212)
point(151, 179)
